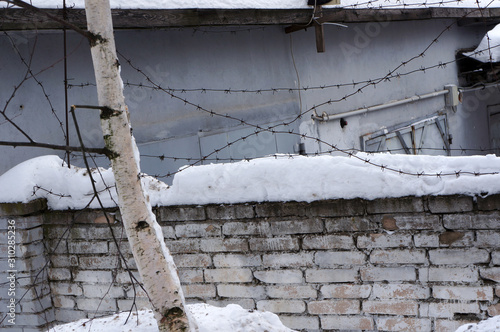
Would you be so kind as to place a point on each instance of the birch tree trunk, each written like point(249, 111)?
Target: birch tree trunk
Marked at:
point(153, 260)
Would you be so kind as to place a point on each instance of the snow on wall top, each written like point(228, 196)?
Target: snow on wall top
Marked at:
point(269, 4)
point(284, 178)
point(488, 49)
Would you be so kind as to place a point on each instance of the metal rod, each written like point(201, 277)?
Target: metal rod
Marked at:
point(330, 117)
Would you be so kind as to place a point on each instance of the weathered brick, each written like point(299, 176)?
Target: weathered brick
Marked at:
point(274, 244)
point(130, 304)
point(352, 224)
point(98, 262)
point(465, 274)
point(292, 292)
point(184, 213)
point(188, 276)
point(337, 208)
point(56, 246)
point(395, 240)
point(59, 274)
point(408, 308)
point(227, 212)
point(64, 260)
point(412, 221)
point(86, 247)
point(459, 256)
point(388, 274)
point(463, 293)
point(346, 291)
point(396, 256)
point(30, 235)
point(168, 232)
point(297, 227)
point(224, 245)
point(278, 209)
point(198, 290)
point(64, 288)
point(470, 221)
point(325, 259)
point(99, 291)
point(456, 239)
point(26, 250)
point(395, 205)
point(244, 291)
point(332, 275)
point(101, 232)
point(328, 242)
point(400, 291)
point(347, 323)
point(279, 276)
point(494, 310)
point(236, 260)
point(333, 307)
point(66, 315)
point(96, 217)
point(34, 319)
point(448, 310)
point(300, 322)
point(426, 240)
point(192, 260)
point(198, 230)
point(449, 204)
point(490, 273)
point(288, 260)
point(282, 306)
point(495, 257)
point(491, 202)
point(246, 228)
point(67, 302)
point(35, 306)
point(93, 276)
point(404, 324)
point(183, 246)
point(488, 239)
point(228, 275)
point(23, 209)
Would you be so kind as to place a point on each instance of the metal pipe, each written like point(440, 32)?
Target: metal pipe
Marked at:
point(330, 117)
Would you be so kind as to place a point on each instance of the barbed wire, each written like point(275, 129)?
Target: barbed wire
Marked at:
point(439, 65)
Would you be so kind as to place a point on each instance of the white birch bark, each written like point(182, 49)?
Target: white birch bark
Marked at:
point(153, 260)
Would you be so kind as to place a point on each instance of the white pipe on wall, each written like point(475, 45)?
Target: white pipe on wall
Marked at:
point(330, 117)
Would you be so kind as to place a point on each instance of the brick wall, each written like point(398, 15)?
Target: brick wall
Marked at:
point(414, 264)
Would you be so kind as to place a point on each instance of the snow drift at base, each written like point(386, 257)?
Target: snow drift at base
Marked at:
point(232, 318)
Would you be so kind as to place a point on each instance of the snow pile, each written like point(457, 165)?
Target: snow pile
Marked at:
point(232, 318)
point(488, 49)
point(267, 4)
point(490, 325)
point(279, 179)
point(49, 177)
point(328, 177)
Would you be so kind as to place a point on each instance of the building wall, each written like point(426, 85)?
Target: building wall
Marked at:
point(411, 263)
point(265, 62)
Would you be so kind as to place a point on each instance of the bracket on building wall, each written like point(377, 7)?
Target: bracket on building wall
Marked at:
point(316, 21)
point(318, 28)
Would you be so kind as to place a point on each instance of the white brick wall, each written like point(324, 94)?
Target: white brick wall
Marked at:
point(416, 264)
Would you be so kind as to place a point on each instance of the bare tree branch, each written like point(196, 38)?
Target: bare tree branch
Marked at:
point(25, 5)
point(33, 144)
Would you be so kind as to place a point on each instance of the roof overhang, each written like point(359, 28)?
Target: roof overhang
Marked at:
point(22, 19)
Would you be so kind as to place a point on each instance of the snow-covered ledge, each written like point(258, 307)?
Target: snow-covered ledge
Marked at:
point(415, 262)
